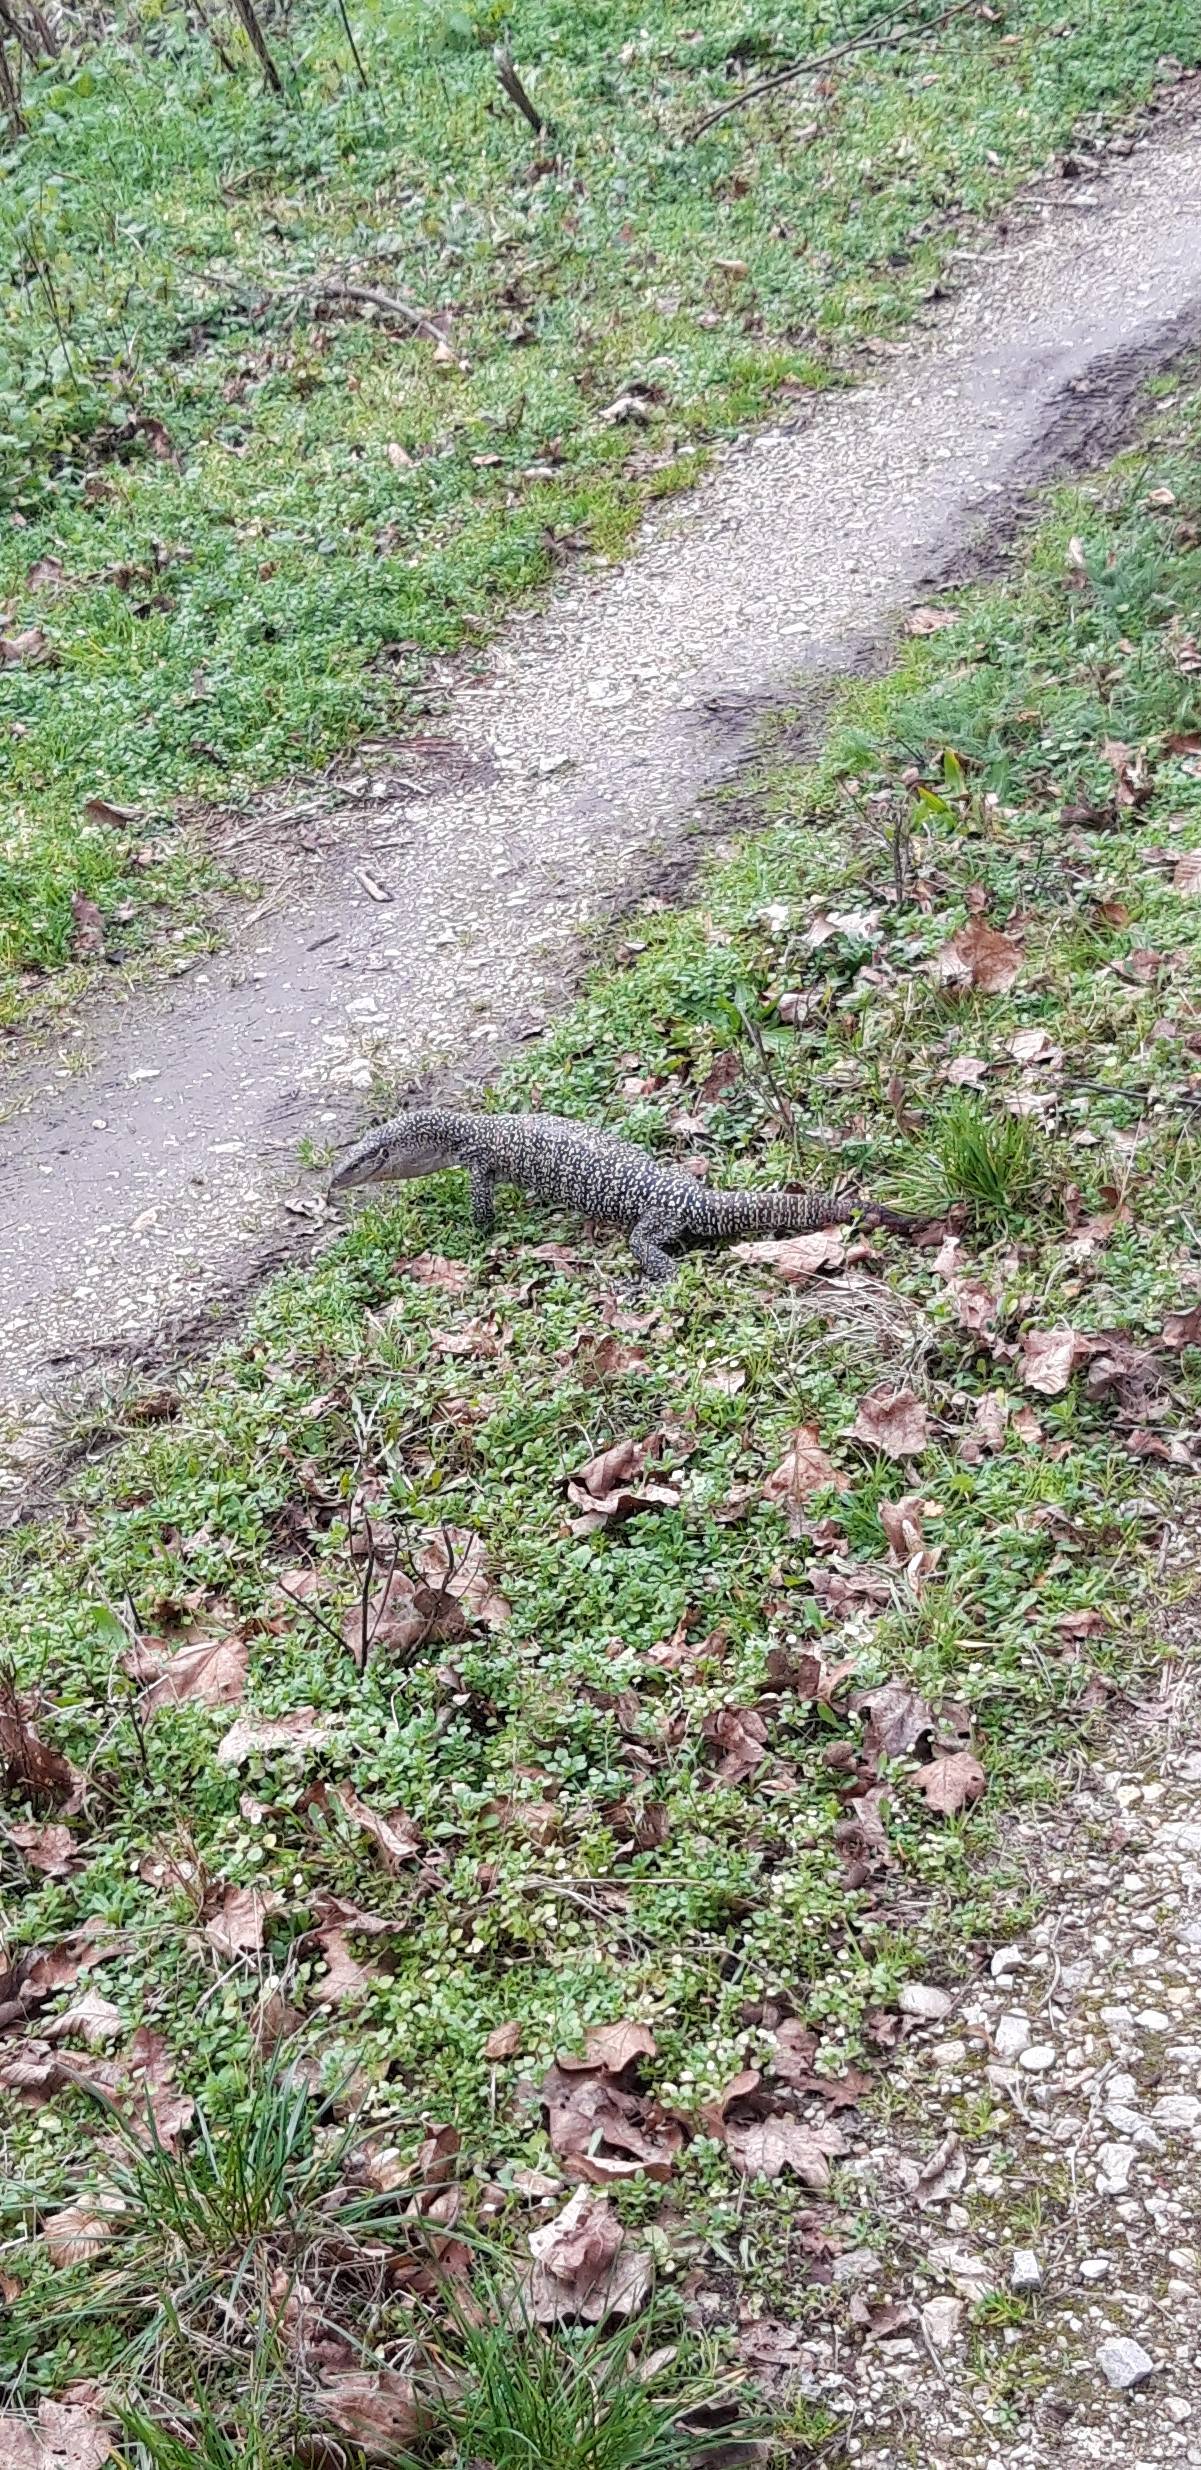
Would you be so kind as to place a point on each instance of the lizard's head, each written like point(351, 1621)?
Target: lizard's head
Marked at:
point(409, 1145)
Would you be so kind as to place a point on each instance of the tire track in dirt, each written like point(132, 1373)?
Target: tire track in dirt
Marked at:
point(141, 1188)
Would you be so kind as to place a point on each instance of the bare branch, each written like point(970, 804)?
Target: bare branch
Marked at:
point(257, 40)
point(502, 59)
point(873, 37)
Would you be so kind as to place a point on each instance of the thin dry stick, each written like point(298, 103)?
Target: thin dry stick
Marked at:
point(502, 61)
point(10, 95)
point(348, 31)
point(26, 41)
point(873, 37)
point(257, 40)
point(332, 287)
point(226, 59)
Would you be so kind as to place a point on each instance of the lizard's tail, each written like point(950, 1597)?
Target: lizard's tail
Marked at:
point(802, 1213)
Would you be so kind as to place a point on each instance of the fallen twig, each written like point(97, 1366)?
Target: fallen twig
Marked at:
point(502, 61)
point(872, 37)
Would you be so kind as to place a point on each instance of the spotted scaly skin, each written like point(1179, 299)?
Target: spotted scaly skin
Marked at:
point(662, 1209)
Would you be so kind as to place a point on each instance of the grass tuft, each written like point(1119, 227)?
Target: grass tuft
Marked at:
point(997, 1166)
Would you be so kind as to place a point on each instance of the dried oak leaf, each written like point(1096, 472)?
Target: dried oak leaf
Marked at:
point(979, 957)
point(503, 2042)
point(29, 648)
point(796, 1258)
point(1049, 1357)
point(604, 2133)
point(236, 1928)
point(344, 1980)
point(893, 1420)
point(77, 2234)
point(1182, 1329)
point(210, 1672)
point(898, 1718)
point(250, 1736)
point(803, 1470)
point(766, 2147)
point(51, 1850)
point(32, 1769)
point(585, 2267)
point(375, 2407)
point(612, 1487)
point(396, 1834)
point(612, 2047)
point(741, 1734)
point(62, 2437)
point(454, 1565)
point(434, 1269)
point(93, 2018)
point(1186, 874)
point(952, 1780)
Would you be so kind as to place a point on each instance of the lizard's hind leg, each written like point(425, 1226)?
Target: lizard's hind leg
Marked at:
point(648, 1243)
point(483, 1199)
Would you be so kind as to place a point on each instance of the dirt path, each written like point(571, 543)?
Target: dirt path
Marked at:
point(1026, 2294)
point(154, 1176)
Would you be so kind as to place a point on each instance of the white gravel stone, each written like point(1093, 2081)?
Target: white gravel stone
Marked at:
point(1124, 2363)
point(923, 2000)
point(1012, 2036)
point(1039, 2057)
point(1178, 2112)
point(1025, 2273)
point(941, 2320)
point(1114, 2165)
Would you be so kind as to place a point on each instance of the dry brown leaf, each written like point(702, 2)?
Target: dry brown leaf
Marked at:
point(990, 1419)
point(768, 2146)
point(63, 2437)
point(92, 2018)
point(898, 1718)
point(1182, 1329)
point(250, 1736)
point(47, 574)
point(979, 957)
point(397, 1835)
point(503, 2042)
point(1026, 1426)
point(454, 1564)
point(32, 1769)
point(585, 2266)
point(967, 1072)
point(741, 1734)
point(434, 1269)
point(236, 1928)
point(210, 1672)
point(1186, 874)
point(612, 1487)
point(613, 2047)
point(796, 1258)
point(30, 648)
point(375, 2407)
point(77, 2234)
point(603, 2132)
point(87, 938)
point(344, 1980)
point(51, 1850)
point(1049, 1357)
point(893, 1420)
point(929, 621)
point(943, 2174)
point(804, 1470)
point(951, 1781)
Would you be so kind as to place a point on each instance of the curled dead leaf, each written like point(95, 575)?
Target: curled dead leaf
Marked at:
point(796, 1258)
point(765, 2147)
point(585, 2267)
point(804, 1470)
point(209, 1672)
point(375, 2407)
point(979, 957)
point(249, 1737)
point(952, 1780)
point(741, 1734)
point(397, 1835)
point(503, 2042)
point(237, 1926)
point(64, 2436)
point(929, 621)
point(78, 2233)
point(1049, 1357)
point(892, 1420)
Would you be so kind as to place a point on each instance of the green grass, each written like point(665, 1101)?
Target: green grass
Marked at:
point(580, 1858)
point(252, 576)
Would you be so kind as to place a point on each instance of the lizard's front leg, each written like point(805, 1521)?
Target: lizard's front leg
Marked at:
point(483, 1199)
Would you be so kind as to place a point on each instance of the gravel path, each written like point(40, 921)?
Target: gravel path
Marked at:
point(1041, 2165)
point(146, 1168)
